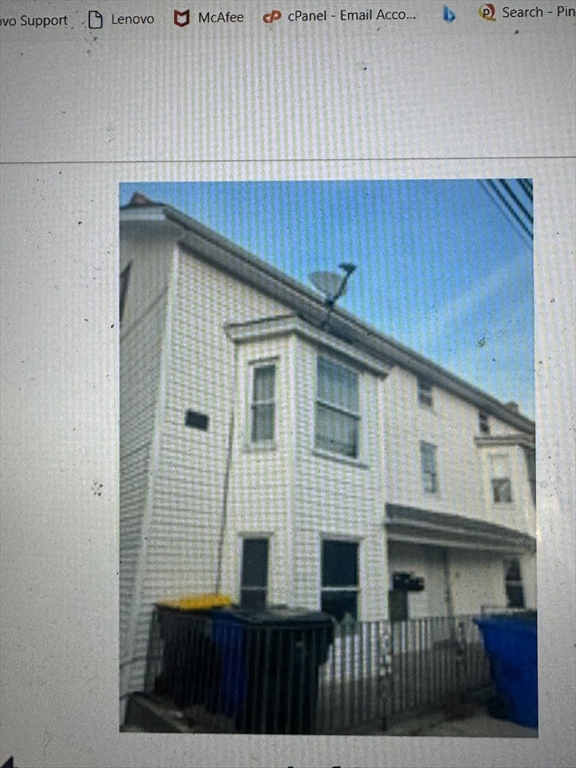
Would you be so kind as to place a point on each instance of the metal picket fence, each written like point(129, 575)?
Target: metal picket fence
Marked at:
point(327, 679)
point(379, 672)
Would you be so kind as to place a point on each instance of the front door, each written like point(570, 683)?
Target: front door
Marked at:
point(398, 605)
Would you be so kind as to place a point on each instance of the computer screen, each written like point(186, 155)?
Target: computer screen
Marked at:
point(287, 375)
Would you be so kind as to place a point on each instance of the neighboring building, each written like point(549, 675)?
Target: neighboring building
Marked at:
point(279, 461)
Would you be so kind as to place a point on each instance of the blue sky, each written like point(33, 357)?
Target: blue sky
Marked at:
point(440, 267)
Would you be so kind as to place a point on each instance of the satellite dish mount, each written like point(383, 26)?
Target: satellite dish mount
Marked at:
point(332, 285)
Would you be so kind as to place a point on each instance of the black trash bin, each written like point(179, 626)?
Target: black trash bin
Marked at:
point(190, 667)
point(269, 667)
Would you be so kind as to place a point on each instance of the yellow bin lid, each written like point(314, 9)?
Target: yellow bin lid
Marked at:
point(197, 602)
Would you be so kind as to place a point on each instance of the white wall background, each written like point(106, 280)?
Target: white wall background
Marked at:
point(463, 476)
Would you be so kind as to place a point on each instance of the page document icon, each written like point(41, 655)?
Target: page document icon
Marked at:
point(95, 20)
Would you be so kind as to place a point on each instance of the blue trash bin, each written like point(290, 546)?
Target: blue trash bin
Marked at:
point(512, 647)
point(229, 641)
point(270, 659)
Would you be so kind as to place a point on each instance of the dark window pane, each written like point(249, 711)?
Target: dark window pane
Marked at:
point(397, 605)
point(429, 471)
point(515, 596)
point(336, 431)
point(513, 570)
point(264, 383)
point(339, 564)
point(501, 491)
point(337, 385)
point(253, 598)
point(263, 404)
point(425, 393)
point(262, 423)
point(342, 605)
point(255, 563)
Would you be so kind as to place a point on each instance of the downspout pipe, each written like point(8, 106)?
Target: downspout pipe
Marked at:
point(226, 483)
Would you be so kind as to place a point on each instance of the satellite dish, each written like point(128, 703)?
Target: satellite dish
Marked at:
point(332, 285)
point(348, 268)
point(328, 283)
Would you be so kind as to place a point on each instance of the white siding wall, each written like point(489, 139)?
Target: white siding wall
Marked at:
point(336, 498)
point(185, 523)
point(451, 424)
point(140, 355)
point(476, 580)
point(260, 481)
point(427, 562)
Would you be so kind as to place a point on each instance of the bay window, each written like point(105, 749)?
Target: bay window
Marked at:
point(337, 409)
point(263, 404)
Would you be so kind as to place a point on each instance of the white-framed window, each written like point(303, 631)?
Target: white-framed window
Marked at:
point(428, 461)
point(425, 396)
point(500, 479)
point(337, 409)
point(263, 403)
point(483, 423)
point(254, 572)
point(513, 583)
point(339, 579)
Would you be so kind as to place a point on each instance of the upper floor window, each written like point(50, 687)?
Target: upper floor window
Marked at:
point(263, 403)
point(339, 596)
point(500, 479)
point(429, 467)
point(337, 409)
point(254, 574)
point(124, 277)
point(425, 393)
point(483, 423)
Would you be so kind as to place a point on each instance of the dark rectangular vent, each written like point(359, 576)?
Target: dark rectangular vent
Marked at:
point(197, 420)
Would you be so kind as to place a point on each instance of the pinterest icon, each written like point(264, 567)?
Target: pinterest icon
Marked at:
point(487, 12)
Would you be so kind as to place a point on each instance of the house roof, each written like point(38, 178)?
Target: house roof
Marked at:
point(495, 441)
point(270, 327)
point(413, 525)
point(231, 258)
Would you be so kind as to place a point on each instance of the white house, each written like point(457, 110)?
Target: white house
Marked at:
point(280, 459)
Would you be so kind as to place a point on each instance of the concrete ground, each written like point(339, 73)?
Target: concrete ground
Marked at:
point(468, 719)
point(481, 725)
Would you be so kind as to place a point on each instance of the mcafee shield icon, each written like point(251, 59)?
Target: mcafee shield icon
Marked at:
point(182, 18)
